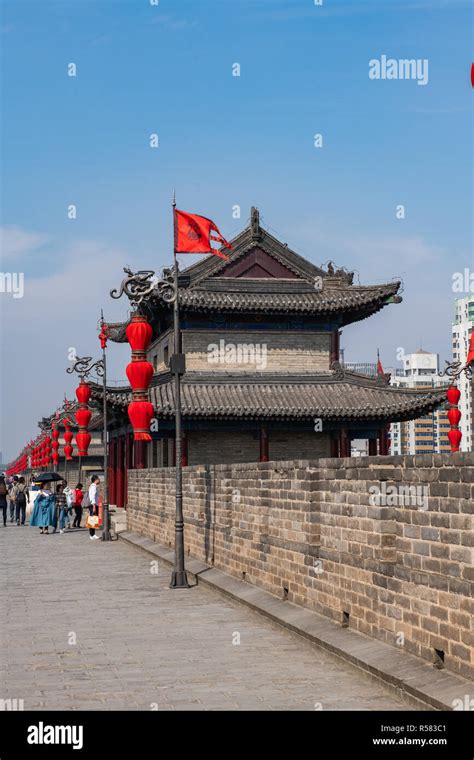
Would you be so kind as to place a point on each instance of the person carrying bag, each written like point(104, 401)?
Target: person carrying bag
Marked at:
point(22, 498)
point(92, 497)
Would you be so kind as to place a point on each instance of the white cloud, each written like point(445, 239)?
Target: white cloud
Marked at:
point(15, 241)
point(57, 312)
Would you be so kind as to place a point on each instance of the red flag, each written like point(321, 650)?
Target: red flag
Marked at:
point(380, 371)
point(192, 234)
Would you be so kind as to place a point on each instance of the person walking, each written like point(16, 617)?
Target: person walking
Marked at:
point(12, 497)
point(61, 506)
point(94, 503)
point(78, 497)
point(22, 498)
point(3, 499)
point(69, 493)
point(44, 509)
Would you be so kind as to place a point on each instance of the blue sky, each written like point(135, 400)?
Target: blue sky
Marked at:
point(225, 140)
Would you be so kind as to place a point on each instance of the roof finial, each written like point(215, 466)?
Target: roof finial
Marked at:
point(255, 221)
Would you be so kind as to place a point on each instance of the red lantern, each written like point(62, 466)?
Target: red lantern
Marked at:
point(83, 440)
point(139, 333)
point(103, 335)
point(453, 395)
point(454, 436)
point(68, 451)
point(140, 372)
point(83, 392)
point(141, 413)
point(83, 417)
point(55, 434)
point(139, 375)
point(68, 436)
point(55, 457)
point(55, 446)
point(454, 415)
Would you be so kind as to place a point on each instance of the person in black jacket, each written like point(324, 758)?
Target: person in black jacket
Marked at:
point(22, 498)
point(3, 499)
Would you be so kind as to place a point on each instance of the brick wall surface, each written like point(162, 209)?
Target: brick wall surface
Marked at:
point(231, 446)
point(222, 446)
point(387, 540)
point(285, 352)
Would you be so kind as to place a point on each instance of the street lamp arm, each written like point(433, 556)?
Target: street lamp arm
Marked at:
point(137, 286)
point(456, 369)
point(84, 366)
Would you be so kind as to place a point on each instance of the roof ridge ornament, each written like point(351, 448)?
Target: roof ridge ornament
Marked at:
point(255, 222)
point(340, 273)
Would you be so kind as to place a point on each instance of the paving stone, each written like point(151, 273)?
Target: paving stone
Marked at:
point(139, 642)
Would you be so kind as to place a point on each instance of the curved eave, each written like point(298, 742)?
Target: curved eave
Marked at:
point(330, 400)
point(348, 305)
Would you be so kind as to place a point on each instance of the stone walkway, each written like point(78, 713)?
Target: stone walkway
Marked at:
point(93, 626)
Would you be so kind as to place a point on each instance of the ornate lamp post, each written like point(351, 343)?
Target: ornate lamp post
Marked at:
point(62, 415)
point(454, 370)
point(140, 287)
point(84, 366)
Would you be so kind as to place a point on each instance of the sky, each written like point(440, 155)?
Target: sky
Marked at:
point(168, 68)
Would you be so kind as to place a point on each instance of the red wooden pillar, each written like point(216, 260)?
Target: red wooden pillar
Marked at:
point(372, 447)
point(345, 444)
point(184, 450)
point(112, 470)
point(382, 436)
point(120, 473)
point(263, 444)
point(140, 454)
point(335, 445)
point(128, 456)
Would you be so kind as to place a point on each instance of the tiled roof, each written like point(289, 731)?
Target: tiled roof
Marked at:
point(308, 290)
point(288, 399)
point(301, 301)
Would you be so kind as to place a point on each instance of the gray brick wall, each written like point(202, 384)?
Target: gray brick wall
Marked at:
point(337, 536)
point(303, 445)
point(227, 447)
point(285, 352)
point(208, 447)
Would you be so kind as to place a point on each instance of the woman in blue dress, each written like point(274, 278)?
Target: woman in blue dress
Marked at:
point(44, 509)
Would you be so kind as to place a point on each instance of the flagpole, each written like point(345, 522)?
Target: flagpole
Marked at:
point(105, 499)
point(179, 577)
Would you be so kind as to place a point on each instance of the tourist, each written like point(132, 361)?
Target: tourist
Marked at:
point(22, 498)
point(93, 503)
point(78, 497)
point(61, 506)
point(12, 496)
point(44, 509)
point(70, 502)
point(3, 499)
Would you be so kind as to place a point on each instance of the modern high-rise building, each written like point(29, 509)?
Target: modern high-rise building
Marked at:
point(427, 434)
point(463, 325)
